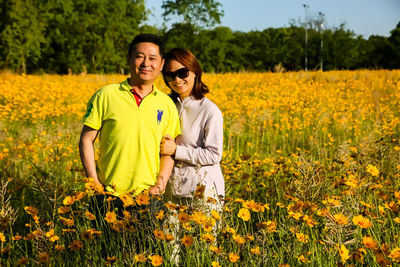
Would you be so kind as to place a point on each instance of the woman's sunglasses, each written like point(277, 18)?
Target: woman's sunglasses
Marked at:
point(182, 73)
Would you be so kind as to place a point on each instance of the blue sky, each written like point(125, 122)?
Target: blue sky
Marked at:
point(364, 17)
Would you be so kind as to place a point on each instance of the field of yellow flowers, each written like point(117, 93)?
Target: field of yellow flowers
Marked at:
point(311, 163)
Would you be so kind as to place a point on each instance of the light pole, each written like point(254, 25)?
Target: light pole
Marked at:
point(321, 28)
point(306, 23)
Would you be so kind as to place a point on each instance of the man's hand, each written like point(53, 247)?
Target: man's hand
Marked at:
point(159, 188)
point(168, 145)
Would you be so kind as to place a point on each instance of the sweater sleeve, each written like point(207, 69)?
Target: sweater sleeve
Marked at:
point(211, 152)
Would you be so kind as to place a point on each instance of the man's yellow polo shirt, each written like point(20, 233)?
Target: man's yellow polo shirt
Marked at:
point(130, 135)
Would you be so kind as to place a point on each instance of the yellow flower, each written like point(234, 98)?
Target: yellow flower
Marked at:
point(244, 214)
point(344, 253)
point(396, 220)
point(302, 258)
point(127, 200)
point(395, 253)
point(209, 238)
point(239, 239)
point(361, 221)
point(233, 257)
point(215, 264)
point(110, 217)
point(2, 237)
point(255, 250)
point(156, 260)
point(371, 169)
point(69, 200)
point(370, 243)
point(187, 240)
point(140, 258)
point(341, 219)
point(215, 215)
point(160, 215)
point(302, 237)
point(215, 249)
point(52, 237)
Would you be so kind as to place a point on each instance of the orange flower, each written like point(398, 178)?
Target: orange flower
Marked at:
point(90, 216)
point(361, 221)
point(142, 199)
point(87, 235)
point(370, 243)
point(111, 260)
point(183, 217)
point(341, 219)
point(63, 209)
point(244, 214)
point(111, 217)
point(67, 222)
point(187, 240)
point(31, 210)
point(76, 245)
point(233, 257)
point(215, 264)
point(60, 248)
point(159, 234)
point(156, 260)
point(22, 261)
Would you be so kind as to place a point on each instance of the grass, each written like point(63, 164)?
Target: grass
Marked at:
point(311, 164)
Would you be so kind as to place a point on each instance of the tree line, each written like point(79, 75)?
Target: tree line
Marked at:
point(61, 36)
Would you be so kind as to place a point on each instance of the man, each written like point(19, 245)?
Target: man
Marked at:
point(131, 118)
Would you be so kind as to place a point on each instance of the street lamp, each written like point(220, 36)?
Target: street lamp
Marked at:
point(321, 28)
point(306, 23)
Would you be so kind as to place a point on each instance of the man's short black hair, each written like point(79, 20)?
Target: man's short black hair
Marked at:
point(147, 38)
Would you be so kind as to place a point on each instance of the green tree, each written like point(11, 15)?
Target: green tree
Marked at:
point(200, 14)
point(22, 34)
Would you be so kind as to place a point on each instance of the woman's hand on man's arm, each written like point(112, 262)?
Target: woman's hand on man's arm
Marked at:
point(168, 145)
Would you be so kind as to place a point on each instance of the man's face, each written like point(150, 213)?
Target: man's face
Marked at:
point(145, 63)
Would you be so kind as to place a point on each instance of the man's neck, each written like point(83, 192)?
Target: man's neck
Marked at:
point(143, 89)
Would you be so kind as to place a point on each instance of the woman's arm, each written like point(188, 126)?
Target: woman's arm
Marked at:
point(210, 154)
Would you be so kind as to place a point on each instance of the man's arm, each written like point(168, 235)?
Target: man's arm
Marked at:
point(166, 166)
point(86, 151)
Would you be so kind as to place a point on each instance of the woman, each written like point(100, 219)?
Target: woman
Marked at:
point(198, 150)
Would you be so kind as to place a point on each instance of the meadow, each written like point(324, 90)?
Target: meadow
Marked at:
point(311, 163)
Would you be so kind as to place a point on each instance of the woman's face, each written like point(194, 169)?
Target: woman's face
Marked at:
point(177, 73)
